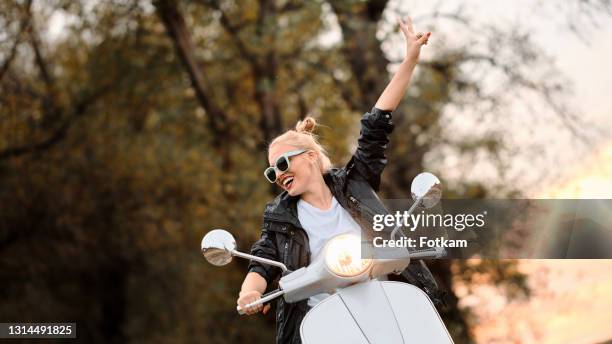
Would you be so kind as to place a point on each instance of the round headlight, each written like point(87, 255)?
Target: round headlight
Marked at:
point(343, 256)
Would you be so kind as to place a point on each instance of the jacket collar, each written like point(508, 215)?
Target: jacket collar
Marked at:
point(283, 209)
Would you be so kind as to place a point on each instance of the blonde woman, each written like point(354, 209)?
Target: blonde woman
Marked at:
point(318, 201)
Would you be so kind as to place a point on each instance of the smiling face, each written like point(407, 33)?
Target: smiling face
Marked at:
point(301, 171)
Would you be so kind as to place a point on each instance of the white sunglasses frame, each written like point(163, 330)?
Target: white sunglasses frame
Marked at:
point(285, 155)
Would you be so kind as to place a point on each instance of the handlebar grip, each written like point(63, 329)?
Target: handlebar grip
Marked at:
point(241, 311)
point(428, 253)
point(261, 301)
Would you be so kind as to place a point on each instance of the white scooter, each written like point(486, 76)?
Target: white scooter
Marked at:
point(361, 309)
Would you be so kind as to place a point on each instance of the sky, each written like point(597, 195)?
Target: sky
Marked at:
point(583, 60)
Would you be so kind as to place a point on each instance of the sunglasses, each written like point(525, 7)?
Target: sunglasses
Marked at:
point(281, 166)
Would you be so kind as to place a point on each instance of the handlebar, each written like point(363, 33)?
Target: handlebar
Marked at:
point(434, 252)
point(271, 295)
point(428, 253)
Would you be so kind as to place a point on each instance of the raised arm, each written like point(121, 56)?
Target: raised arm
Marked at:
point(394, 92)
point(369, 159)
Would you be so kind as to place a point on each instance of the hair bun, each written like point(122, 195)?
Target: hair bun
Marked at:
point(307, 125)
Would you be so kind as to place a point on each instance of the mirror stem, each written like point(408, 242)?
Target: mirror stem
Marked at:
point(414, 205)
point(259, 259)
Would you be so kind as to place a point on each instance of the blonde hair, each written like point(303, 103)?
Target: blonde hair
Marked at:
point(302, 137)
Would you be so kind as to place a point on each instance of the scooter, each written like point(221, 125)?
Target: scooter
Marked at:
point(361, 308)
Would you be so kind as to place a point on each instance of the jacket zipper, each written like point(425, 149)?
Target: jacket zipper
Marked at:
point(359, 208)
point(285, 254)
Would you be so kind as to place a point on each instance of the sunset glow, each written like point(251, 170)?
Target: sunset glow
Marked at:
point(572, 299)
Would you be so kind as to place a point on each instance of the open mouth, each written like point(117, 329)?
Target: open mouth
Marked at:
point(287, 182)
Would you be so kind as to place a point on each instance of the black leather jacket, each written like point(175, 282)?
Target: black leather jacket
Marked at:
point(354, 186)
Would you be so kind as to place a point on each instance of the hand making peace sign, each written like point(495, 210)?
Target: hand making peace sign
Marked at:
point(414, 41)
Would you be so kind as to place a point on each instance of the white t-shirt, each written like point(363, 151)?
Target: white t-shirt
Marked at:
point(322, 225)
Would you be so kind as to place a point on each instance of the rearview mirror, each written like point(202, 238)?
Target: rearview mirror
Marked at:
point(217, 247)
point(426, 189)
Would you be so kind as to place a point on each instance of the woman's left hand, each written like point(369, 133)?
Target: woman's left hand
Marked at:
point(414, 41)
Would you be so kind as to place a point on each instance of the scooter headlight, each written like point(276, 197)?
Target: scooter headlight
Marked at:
point(343, 256)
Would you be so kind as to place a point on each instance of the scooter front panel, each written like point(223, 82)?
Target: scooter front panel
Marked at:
point(419, 319)
point(330, 322)
point(375, 312)
point(372, 312)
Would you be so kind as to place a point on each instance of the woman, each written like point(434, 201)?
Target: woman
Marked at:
point(318, 201)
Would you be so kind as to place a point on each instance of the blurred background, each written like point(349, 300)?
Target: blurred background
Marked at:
point(128, 129)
